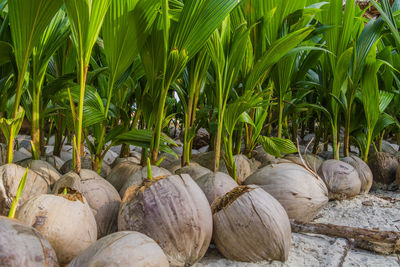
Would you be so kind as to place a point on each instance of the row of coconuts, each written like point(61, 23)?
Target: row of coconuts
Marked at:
point(130, 219)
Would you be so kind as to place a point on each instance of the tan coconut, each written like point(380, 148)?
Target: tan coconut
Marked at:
point(125, 248)
point(340, 178)
point(121, 172)
point(22, 245)
point(66, 221)
point(207, 160)
point(363, 170)
point(243, 167)
point(215, 185)
point(86, 164)
point(43, 168)
point(194, 170)
point(139, 176)
point(55, 161)
point(100, 194)
point(174, 212)
point(383, 166)
point(312, 161)
point(10, 176)
point(302, 193)
point(250, 225)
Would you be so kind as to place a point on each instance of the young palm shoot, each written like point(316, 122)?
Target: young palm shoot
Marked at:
point(17, 197)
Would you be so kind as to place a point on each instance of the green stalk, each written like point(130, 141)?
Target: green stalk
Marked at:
point(149, 174)
point(17, 197)
point(280, 117)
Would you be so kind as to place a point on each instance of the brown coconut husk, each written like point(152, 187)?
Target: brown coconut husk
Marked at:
point(383, 167)
point(121, 172)
point(43, 168)
point(194, 170)
point(364, 172)
point(215, 185)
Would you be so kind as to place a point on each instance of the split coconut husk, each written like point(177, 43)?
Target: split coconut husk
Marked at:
point(250, 225)
point(383, 167)
point(10, 177)
point(139, 176)
point(174, 212)
point(101, 196)
point(86, 163)
point(363, 170)
point(341, 179)
point(125, 248)
point(313, 161)
point(121, 172)
point(302, 193)
point(22, 245)
point(195, 171)
point(43, 168)
point(215, 185)
point(66, 221)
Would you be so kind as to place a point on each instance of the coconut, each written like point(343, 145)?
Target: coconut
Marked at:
point(65, 220)
point(340, 178)
point(124, 248)
point(263, 157)
point(43, 168)
point(170, 163)
point(207, 160)
point(250, 225)
point(312, 161)
point(3, 154)
point(55, 161)
point(383, 167)
point(215, 185)
point(121, 172)
point(117, 161)
point(364, 172)
point(243, 167)
point(300, 192)
point(10, 177)
point(194, 170)
point(21, 245)
point(100, 195)
point(139, 176)
point(86, 164)
point(173, 211)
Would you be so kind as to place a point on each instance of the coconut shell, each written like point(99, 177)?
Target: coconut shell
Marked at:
point(313, 161)
point(193, 170)
point(139, 176)
point(383, 167)
point(10, 176)
point(174, 212)
point(263, 157)
point(341, 179)
point(44, 169)
point(250, 225)
point(55, 161)
point(215, 185)
point(363, 170)
point(3, 154)
point(122, 249)
point(21, 245)
point(66, 221)
point(301, 193)
point(121, 172)
point(243, 167)
point(86, 164)
point(100, 194)
point(207, 160)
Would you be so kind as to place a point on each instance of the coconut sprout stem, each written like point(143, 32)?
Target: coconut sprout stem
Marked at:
point(15, 201)
point(149, 175)
point(65, 191)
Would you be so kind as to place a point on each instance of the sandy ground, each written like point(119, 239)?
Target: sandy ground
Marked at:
point(367, 211)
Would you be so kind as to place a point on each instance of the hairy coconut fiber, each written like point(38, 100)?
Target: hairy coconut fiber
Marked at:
point(125, 248)
point(86, 164)
point(43, 168)
point(10, 176)
point(250, 225)
point(340, 178)
point(66, 221)
point(302, 193)
point(215, 185)
point(363, 170)
point(383, 167)
point(195, 171)
point(313, 161)
point(140, 175)
point(22, 245)
point(100, 194)
point(121, 172)
point(174, 212)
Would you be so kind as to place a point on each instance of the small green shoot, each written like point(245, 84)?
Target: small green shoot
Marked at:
point(149, 175)
point(65, 191)
point(34, 152)
point(15, 201)
point(159, 161)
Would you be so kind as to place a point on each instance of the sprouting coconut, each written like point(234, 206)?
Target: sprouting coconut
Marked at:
point(22, 245)
point(86, 164)
point(55, 161)
point(121, 172)
point(313, 161)
point(66, 220)
point(250, 225)
point(243, 167)
point(100, 195)
point(44, 169)
point(302, 193)
point(170, 162)
point(139, 176)
point(194, 170)
point(10, 176)
point(173, 211)
point(125, 248)
point(363, 170)
point(383, 167)
point(207, 160)
point(215, 185)
point(340, 178)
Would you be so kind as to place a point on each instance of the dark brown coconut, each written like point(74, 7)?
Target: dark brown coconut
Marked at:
point(101, 196)
point(215, 185)
point(340, 178)
point(21, 245)
point(174, 212)
point(250, 225)
point(383, 167)
point(301, 193)
point(10, 176)
point(123, 249)
point(121, 172)
point(364, 172)
point(65, 220)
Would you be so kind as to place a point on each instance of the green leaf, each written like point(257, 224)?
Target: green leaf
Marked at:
point(6, 53)
point(12, 125)
point(276, 146)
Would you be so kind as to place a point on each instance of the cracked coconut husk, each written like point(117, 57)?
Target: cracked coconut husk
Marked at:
point(133, 191)
point(71, 194)
point(227, 199)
